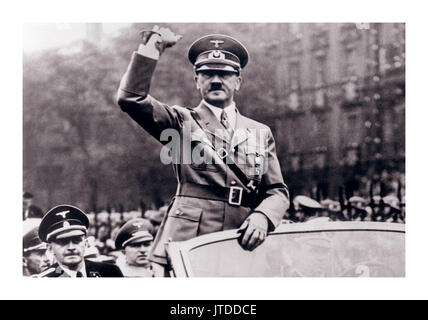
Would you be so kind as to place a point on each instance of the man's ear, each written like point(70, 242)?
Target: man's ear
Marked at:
point(238, 82)
point(24, 262)
point(196, 82)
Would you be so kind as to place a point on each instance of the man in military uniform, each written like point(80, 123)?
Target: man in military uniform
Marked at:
point(29, 210)
point(238, 183)
point(307, 209)
point(135, 239)
point(64, 229)
point(35, 259)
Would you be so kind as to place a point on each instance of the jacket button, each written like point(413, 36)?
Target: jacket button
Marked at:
point(178, 212)
point(233, 182)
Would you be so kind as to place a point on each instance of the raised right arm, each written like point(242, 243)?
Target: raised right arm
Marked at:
point(133, 94)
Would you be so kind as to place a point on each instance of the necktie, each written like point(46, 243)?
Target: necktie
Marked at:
point(225, 123)
point(79, 274)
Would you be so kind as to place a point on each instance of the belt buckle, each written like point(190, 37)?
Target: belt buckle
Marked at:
point(222, 153)
point(232, 196)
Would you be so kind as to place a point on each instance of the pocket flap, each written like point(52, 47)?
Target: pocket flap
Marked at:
point(257, 150)
point(186, 212)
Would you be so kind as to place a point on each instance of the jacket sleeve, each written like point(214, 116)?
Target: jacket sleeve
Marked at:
point(133, 98)
point(273, 193)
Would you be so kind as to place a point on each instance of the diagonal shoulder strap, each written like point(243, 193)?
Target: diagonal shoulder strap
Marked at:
point(227, 159)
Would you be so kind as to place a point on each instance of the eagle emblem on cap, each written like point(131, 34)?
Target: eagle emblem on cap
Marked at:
point(63, 214)
point(217, 43)
point(138, 224)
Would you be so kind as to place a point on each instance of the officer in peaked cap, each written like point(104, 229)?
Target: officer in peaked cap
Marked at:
point(64, 229)
point(237, 183)
point(135, 239)
point(306, 208)
point(358, 202)
point(29, 210)
point(35, 259)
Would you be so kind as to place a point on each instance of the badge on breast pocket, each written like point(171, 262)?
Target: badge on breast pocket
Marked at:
point(256, 158)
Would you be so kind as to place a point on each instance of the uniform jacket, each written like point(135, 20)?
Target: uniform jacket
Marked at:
point(253, 144)
point(93, 270)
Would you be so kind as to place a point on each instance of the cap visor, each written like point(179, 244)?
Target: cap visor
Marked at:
point(68, 233)
point(138, 239)
point(217, 66)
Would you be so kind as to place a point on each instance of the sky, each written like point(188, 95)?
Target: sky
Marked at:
point(41, 36)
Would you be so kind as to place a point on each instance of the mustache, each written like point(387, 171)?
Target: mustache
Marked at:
point(216, 86)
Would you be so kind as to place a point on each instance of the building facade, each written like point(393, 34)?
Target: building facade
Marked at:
point(342, 93)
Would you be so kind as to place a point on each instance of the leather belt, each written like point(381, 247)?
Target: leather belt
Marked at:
point(236, 196)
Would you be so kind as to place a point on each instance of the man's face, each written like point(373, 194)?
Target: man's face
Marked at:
point(68, 251)
point(36, 261)
point(137, 253)
point(26, 202)
point(217, 87)
point(103, 233)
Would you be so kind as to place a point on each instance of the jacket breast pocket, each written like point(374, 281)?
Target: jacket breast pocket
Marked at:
point(183, 222)
point(202, 157)
point(256, 161)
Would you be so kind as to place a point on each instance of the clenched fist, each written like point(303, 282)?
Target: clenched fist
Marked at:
point(155, 41)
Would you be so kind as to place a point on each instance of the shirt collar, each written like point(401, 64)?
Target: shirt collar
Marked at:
point(73, 273)
point(217, 111)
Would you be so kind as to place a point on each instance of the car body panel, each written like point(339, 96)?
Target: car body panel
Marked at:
point(311, 249)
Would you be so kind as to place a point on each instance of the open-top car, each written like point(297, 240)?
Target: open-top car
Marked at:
point(311, 249)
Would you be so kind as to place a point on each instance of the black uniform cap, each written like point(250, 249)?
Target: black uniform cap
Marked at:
point(218, 52)
point(63, 221)
point(135, 230)
point(32, 242)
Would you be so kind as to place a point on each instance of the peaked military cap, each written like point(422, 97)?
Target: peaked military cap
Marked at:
point(63, 221)
point(357, 202)
point(392, 201)
point(27, 195)
point(218, 52)
point(135, 230)
point(304, 201)
point(32, 242)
